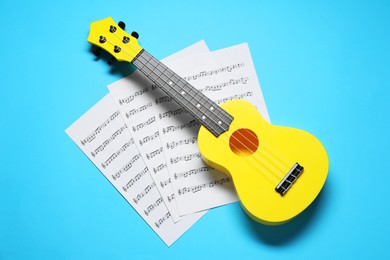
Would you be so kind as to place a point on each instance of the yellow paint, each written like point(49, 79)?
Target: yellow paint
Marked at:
point(102, 28)
point(256, 173)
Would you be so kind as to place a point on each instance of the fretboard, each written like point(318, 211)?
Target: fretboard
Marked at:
point(208, 113)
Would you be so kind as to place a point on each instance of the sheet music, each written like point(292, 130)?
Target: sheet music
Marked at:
point(135, 100)
point(103, 136)
point(222, 75)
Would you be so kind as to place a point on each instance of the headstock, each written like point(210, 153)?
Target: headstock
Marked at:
point(109, 36)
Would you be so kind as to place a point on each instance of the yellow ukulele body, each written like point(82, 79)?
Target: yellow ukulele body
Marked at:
point(259, 157)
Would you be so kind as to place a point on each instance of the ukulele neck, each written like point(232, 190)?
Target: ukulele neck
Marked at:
point(208, 113)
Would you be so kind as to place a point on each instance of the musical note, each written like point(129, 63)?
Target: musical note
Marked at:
point(107, 141)
point(237, 96)
point(116, 154)
point(141, 125)
point(143, 193)
point(165, 183)
point(219, 86)
point(174, 144)
point(171, 197)
point(154, 153)
point(163, 99)
point(131, 97)
point(197, 188)
point(132, 181)
point(173, 128)
point(228, 68)
point(126, 167)
point(135, 111)
point(192, 172)
point(92, 135)
point(160, 168)
point(184, 158)
point(170, 113)
point(149, 138)
point(152, 206)
point(162, 220)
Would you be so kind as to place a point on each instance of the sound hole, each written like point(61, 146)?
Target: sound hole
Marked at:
point(244, 142)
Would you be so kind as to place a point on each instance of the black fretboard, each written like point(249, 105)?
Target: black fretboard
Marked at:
point(208, 113)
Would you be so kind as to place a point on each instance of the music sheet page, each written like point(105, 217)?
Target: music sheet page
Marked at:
point(135, 100)
point(104, 137)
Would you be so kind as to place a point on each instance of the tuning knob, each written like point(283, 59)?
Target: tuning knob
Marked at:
point(135, 35)
point(122, 25)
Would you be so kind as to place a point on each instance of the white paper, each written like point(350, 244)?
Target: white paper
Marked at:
point(135, 100)
point(103, 136)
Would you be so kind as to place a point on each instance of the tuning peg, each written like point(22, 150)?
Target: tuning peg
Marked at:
point(122, 25)
point(111, 60)
point(135, 35)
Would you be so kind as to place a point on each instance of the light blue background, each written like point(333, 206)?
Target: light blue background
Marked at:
point(323, 67)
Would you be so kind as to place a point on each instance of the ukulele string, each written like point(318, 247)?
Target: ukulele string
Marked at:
point(274, 180)
point(281, 159)
point(254, 154)
point(267, 162)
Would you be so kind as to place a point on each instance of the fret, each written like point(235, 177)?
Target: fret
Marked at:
point(146, 70)
point(181, 84)
point(208, 113)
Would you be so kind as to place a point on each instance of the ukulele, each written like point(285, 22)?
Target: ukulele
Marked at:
point(277, 171)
